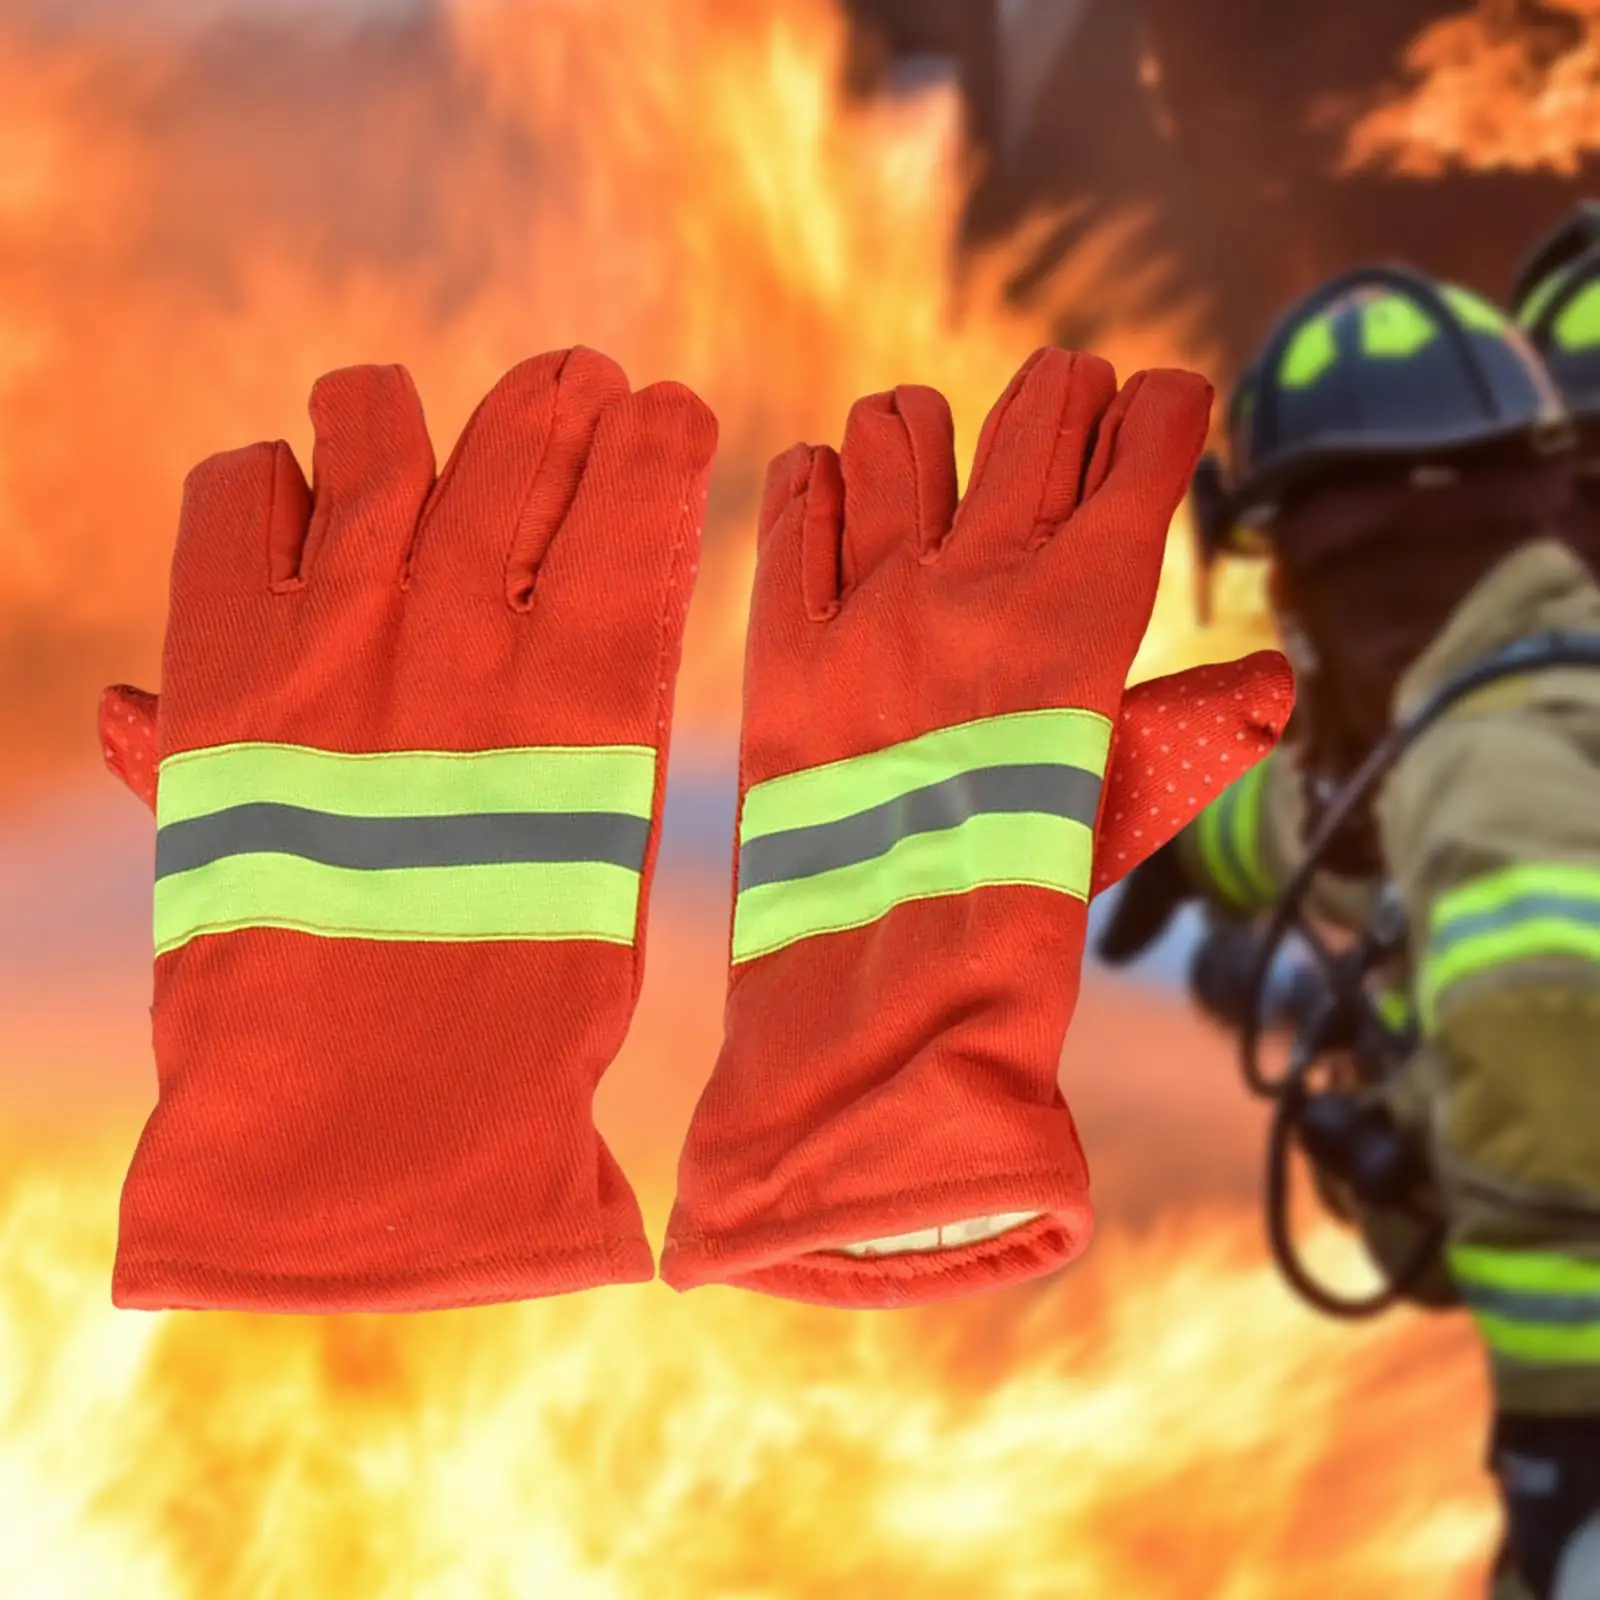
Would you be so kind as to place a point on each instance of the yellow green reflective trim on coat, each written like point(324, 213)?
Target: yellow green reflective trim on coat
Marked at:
point(1532, 1307)
point(1228, 834)
point(1394, 1008)
point(411, 845)
point(1520, 913)
point(1002, 800)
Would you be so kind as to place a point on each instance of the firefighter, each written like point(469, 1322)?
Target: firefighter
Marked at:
point(1555, 299)
point(1401, 457)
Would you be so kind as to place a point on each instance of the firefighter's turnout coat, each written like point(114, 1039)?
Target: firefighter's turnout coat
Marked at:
point(1490, 833)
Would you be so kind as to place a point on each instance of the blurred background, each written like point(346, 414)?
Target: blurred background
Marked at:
point(204, 204)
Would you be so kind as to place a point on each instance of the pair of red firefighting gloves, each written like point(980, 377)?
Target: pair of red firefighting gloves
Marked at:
point(408, 764)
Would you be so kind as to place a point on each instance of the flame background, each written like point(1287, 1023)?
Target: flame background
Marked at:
point(204, 205)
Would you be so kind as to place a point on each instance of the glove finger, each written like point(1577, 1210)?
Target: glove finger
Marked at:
point(512, 476)
point(371, 473)
point(786, 480)
point(1144, 457)
point(821, 535)
point(615, 584)
point(797, 558)
point(128, 739)
point(1029, 467)
point(243, 523)
point(899, 469)
point(1179, 742)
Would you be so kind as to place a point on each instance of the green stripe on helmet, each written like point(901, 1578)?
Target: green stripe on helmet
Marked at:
point(1004, 800)
point(1533, 307)
point(1392, 327)
point(412, 845)
point(1474, 310)
point(1310, 353)
point(1384, 363)
point(1578, 325)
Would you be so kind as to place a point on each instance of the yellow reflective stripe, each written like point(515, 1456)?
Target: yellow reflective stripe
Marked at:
point(412, 845)
point(1541, 1271)
point(1540, 1345)
point(1214, 854)
point(1537, 1307)
point(1230, 842)
point(504, 900)
point(415, 783)
point(1247, 831)
point(1521, 912)
point(1010, 799)
point(841, 789)
point(988, 850)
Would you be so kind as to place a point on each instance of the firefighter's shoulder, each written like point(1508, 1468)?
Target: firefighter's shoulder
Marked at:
point(1491, 820)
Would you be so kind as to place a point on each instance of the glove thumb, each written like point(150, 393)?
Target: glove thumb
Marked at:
point(128, 738)
point(1179, 742)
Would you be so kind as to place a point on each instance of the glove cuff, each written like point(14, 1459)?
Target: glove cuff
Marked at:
point(883, 1097)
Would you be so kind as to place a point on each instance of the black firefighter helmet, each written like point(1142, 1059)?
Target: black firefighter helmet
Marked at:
point(1555, 299)
point(1379, 364)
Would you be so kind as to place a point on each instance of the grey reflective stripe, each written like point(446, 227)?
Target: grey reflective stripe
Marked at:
point(386, 843)
point(1552, 1310)
point(1040, 788)
point(1524, 908)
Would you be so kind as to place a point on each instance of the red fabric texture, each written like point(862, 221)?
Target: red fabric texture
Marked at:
point(128, 738)
point(358, 1125)
point(903, 1075)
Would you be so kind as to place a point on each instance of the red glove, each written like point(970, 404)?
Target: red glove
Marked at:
point(412, 740)
point(927, 719)
point(128, 738)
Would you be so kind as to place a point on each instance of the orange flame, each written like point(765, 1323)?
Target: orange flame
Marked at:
point(675, 183)
point(1482, 96)
point(1162, 1422)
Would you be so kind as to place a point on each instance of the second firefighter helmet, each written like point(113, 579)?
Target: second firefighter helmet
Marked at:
point(1555, 299)
point(1379, 364)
